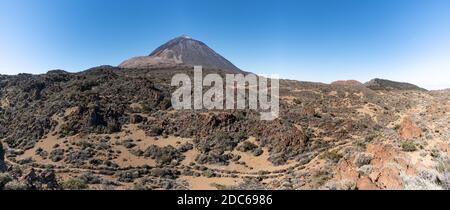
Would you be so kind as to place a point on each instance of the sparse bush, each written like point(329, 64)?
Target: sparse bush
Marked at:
point(208, 173)
point(221, 141)
point(164, 155)
point(42, 153)
point(164, 173)
point(247, 146)
point(258, 152)
point(128, 144)
point(186, 147)
point(241, 135)
point(321, 177)
point(90, 178)
point(363, 159)
point(136, 152)
point(4, 179)
point(156, 131)
point(214, 157)
point(74, 184)
point(333, 156)
point(57, 155)
point(365, 170)
point(15, 185)
point(139, 186)
point(278, 158)
point(408, 146)
point(129, 176)
point(435, 153)
point(443, 167)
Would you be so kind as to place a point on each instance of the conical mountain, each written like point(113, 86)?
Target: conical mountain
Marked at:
point(182, 50)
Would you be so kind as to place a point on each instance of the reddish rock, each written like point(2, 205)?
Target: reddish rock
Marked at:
point(346, 170)
point(408, 129)
point(309, 111)
point(390, 179)
point(386, 164)
point(364, 183)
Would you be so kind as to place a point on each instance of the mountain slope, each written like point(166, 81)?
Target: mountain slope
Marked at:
point(382, 84)
point(347, 83)
point(182, 50)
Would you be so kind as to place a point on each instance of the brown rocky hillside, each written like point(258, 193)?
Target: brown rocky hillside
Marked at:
point(114, 128)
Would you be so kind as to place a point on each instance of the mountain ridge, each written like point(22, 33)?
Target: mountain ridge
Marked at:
point(384, 84)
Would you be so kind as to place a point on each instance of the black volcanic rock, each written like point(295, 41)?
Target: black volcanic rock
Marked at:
point(182, 50)
point(2, 159)
point(382, 84)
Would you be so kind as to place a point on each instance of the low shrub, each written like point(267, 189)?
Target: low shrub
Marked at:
point(74, 184)
point(408, 146)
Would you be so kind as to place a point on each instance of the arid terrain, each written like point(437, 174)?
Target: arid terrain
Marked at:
point(114, 128)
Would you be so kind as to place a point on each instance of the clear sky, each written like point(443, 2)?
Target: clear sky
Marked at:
point(313, 40)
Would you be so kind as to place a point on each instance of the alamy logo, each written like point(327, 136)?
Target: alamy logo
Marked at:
point(238, 92)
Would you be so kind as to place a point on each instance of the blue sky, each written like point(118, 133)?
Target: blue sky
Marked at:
point(313, 40)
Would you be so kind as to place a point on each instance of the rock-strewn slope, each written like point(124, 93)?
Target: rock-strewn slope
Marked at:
point(114, 128)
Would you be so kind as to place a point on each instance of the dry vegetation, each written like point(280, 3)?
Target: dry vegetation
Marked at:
point(110, 128)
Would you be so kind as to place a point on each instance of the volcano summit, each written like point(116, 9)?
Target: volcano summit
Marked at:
point(182, 50)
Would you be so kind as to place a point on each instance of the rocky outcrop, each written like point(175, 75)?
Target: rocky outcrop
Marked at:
point(39, 180)
point(408, 129)
point(380, 167)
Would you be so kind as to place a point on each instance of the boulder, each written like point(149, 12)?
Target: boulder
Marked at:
point(309, 111)
point(363, 159)
point(48, 179)
point(30, 179)
point(40, 180)
point(389, 178)
point(408, 129)
point(136, 119)
point(364, 183)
